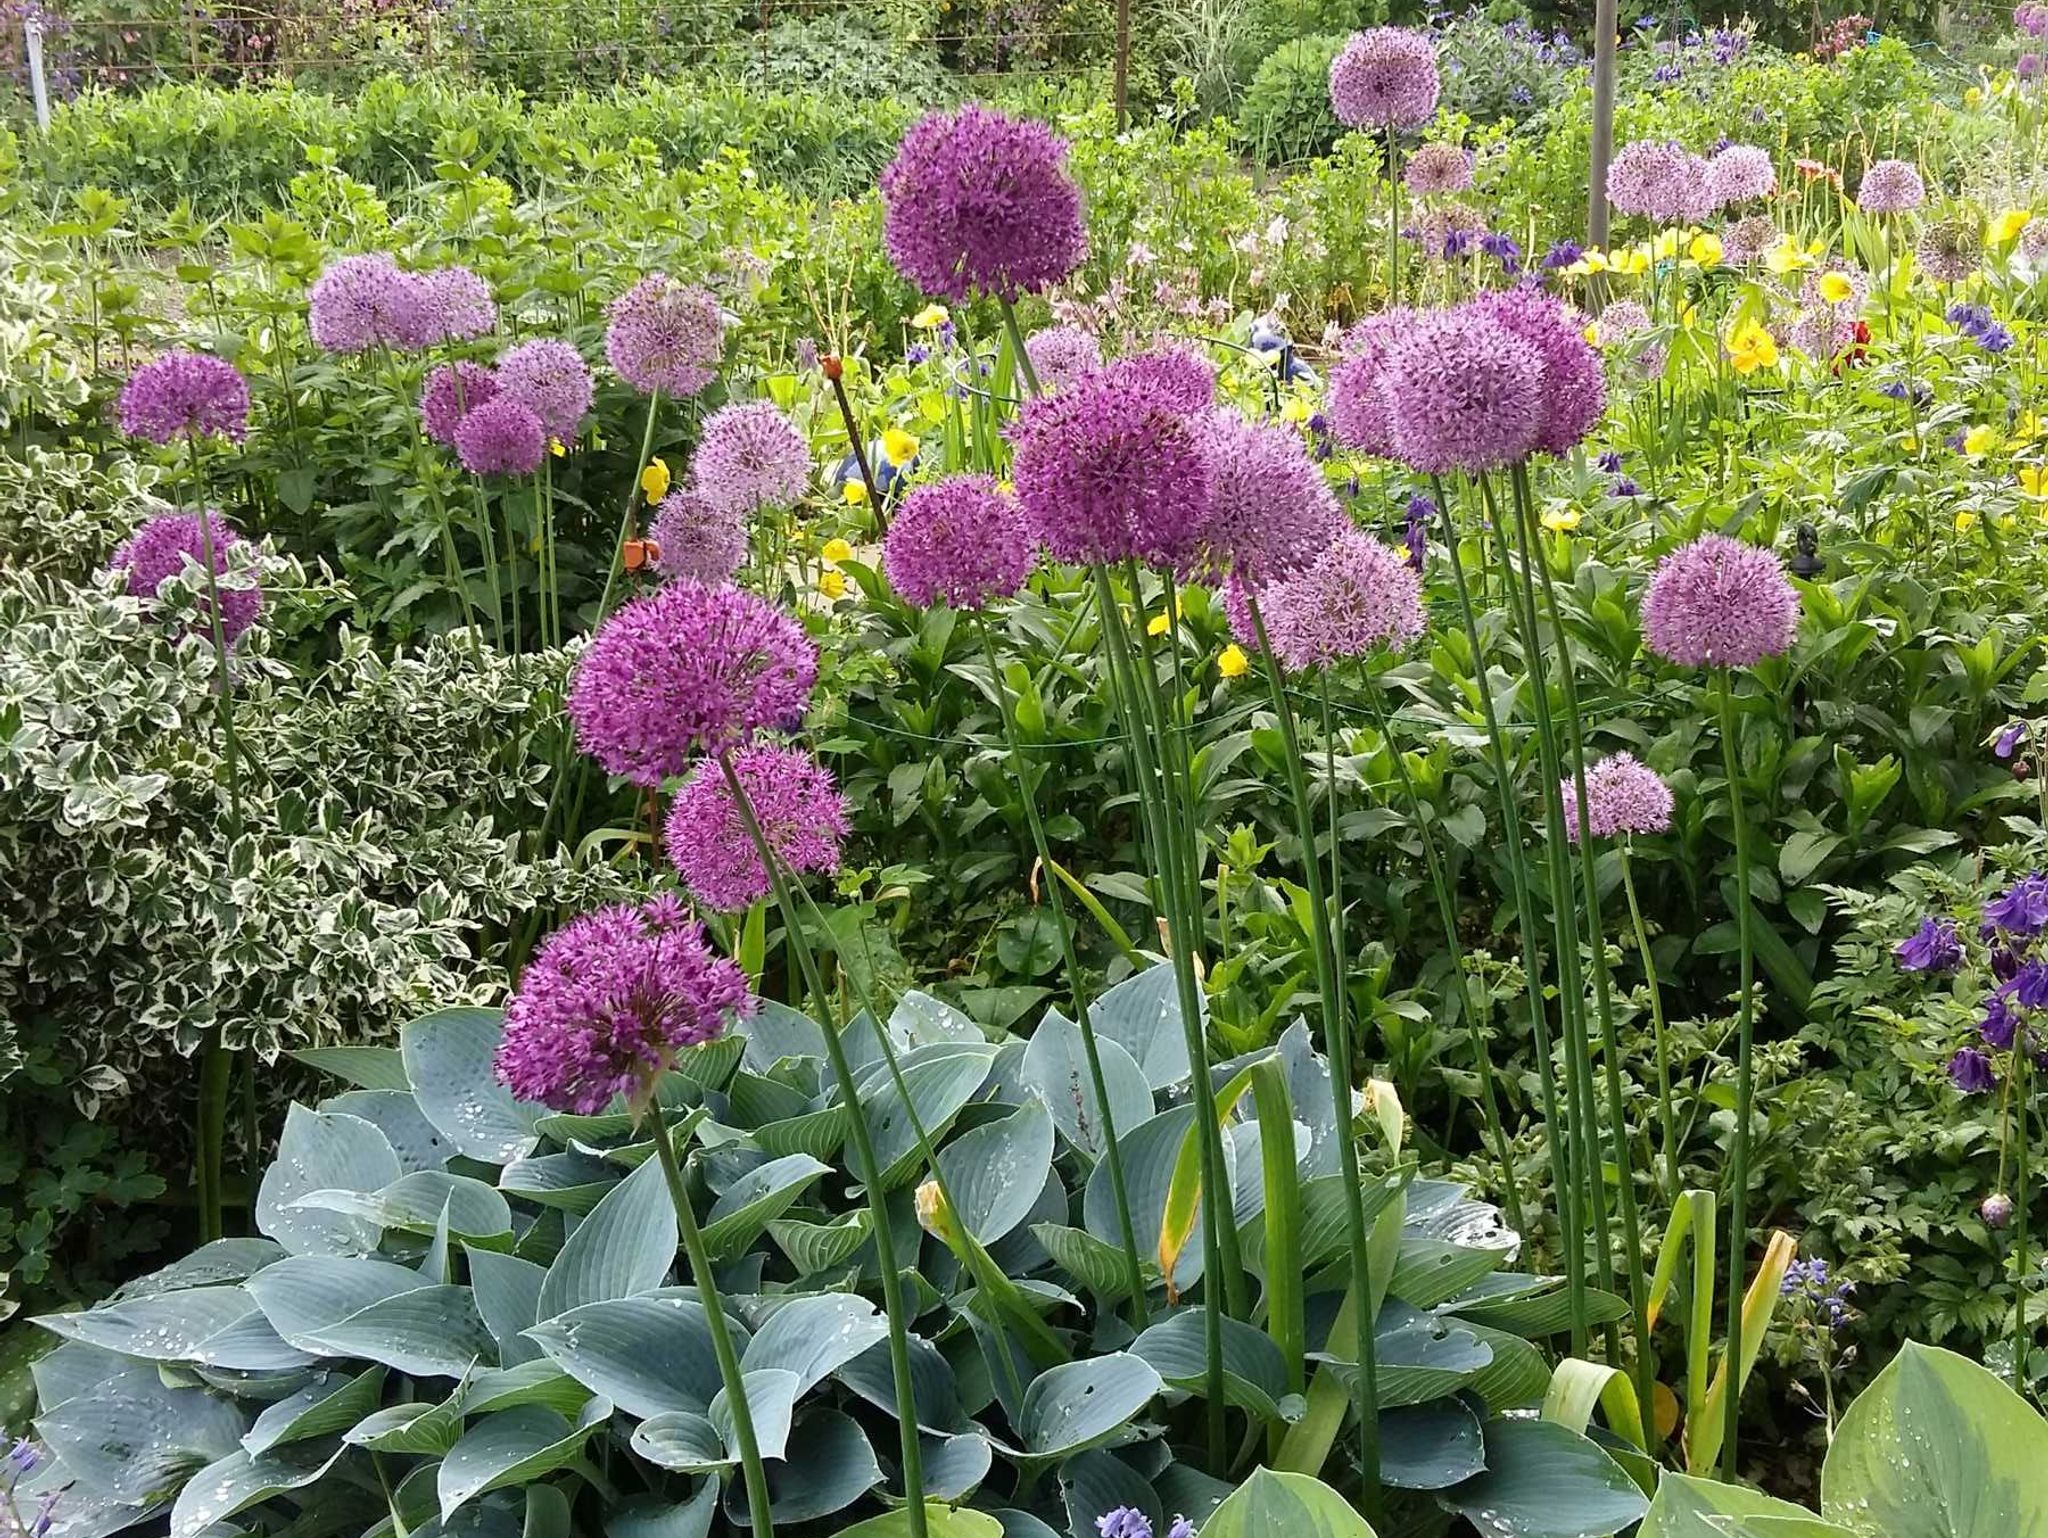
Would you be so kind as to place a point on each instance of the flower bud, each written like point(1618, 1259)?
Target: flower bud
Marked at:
point(833, 365)
point(1996, 1210)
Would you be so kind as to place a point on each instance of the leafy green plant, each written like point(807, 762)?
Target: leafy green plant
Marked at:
point(1287, 114)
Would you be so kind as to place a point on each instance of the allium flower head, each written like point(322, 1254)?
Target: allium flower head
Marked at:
point(694, 541)
point(2031, 255)
point(1177, 377)
point(1950, 251)
point(1662, 181)
point(1623, 795)
point(1463, 393)
point(960, 540)
point(1359, 413)
point(1574, 390)
point(453, 391)
point(185, 395)
point(751, 457)
point(607, 1002)
point(458, 306)
point(1622, 320)
point(552, 380)
point(1933, 947)
point(795, 802)
point(665, 335)
point(170, 542)
point(1891, 187)
point(1356, 596)
point(2031, 18)
point(1385, 78)
point(1062, 354)
point(503, 436)
point(1273, 510)
point(979, 202)
point(686, 670)
point(1438, 168)
point(1718, 602)
point(1111, 468)
point(1740, 173)
point(1747, 239)
point(368, 301)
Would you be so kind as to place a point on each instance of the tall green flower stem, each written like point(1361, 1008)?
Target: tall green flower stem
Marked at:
point(1555, 1133)
point(1393, 222)
point(2022, 1330)
point(1667, 1121)
point(451, 560)
point(1337, 1038)
point(1447, 915)
point(866, 1169)
point(618, 561)
point(1745, 1069)
point(1027, 782)
point(1603, 1000)
point(1139, 707)
point(758, 1504)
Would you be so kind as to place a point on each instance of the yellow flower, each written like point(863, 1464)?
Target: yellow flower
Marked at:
point(2034, 480)
point(1786, 257)
point(1561, 520)
point(2029, 426)
point(832, 584)
point(654, 480)
point(1705, 249)
point(1688, 314)
point(1965, 521)
point(1632, 261)
point(1158, 623)
point(899, 446)
point(2007, 226)
point(1974, 96)
point(556, 447)
point(1980, 440)
point(1835, 287)
point(1592, 335)
point(1294, 408)
point(931, 317)
point(1231, 662)
point(1589, 262)
point(1666, 246)
point(855, 490)
point(1750, 348)
point(837, 550)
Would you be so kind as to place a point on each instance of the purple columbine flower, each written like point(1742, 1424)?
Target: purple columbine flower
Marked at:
point(1999, 1027)
point(1416, 535)
point(1610, 461)
point(1933, 947)
point(1502, 248)
point(2022, 909)
point(2009, 738)
point(1626, 487)
point(1561, 255)
point(1970, 1071)
point(2029, 985)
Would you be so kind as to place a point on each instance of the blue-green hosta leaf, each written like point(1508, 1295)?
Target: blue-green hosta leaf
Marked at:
point(131, 1437)
point(814, 1248)
point(648, 1355)
point(1094, 1263)
point(249, 1345)
point(1142, 1016)
point(931, 1379)
point(430, 1332)
point(775, 1031)
point(919, 1020)
point(328, 1406)
point(1055, 1068)
point(997, 1170)
point(1686, 1507)
point(1430, 1447)
point(1308, 1091)
point(771, 1401)
point(241, 1480)
point(1254, 1371)
point(321, 1151)
point(1097, 1481)
point(1420, 1357)
point(417, 1141)
point(955, 1466)
point(164, 1327)
point(830, 1467)
point(681, 1440)
point(940, 1080)
point(820, 1134)
point(1543, 1480)
point(1150, 1152)
point(1270, 1502)
point(624, 1247)
point(507, 1388)
point(310, 1293)
point(573, 1182)
point(1079, 1404)
point(373, 1068)
point(1429, 1270)
point(814, 1336)
point(477, 1214)
point(507, 1291)
point(224, 1260)
point(513, 1447)
point(743, 1213)
point(427, 1430)
point(648, 1516)
point(450, 1061)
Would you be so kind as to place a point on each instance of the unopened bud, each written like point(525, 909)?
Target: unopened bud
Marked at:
point(1997, 1210)
point(833, 365)
point(2021, 769)
point(933, 1215)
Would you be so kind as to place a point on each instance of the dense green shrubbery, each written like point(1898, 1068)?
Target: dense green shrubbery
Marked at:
point(1286, 114)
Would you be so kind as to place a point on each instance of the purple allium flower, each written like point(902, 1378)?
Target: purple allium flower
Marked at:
point(503, 436)
point(1385, 78)
point(2028, 66)
point(185, 395)
point(1623, 795)
point(1109, 469)
point(162, 549)
point(978, 202)
point(1177, 377)
point(609, 1000)
point(1718, 602)
point(665, 335)
point(1740, 173)
point(2022, 908)
point(1124, 1522)
point(453, 391)
point(1437, 168)
point(796, 803)
point(1747, 239)
point(368, 301)
point(751, 457)
point(1950, 251)
point(1062, 354)
point(1463, 393)
point(1415, 531)
point(1933, 947)
point(959, 539)
point(1355, 597)
point(1273, 510)
point(694, 541)
point(685, 670)
point(1622, 320)
point(2007, 742)
point(2031, 17)
point(1970, 1071)
point(1561, 255)
point(458, 305)
point(552, 380)
point(1359, 412)
point(1890, 187)
point(1574, 389)
point(1662, 181)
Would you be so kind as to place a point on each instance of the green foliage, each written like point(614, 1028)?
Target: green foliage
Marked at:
point(1287, 114)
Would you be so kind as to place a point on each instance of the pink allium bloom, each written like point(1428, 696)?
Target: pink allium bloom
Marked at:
point(1574, 391)
point(979, 202)
point(1662, 181)
point(1746, 240)
point(1623, 795)
point(453, 391)
point(686, 670)
point(170, 542)
point(1463, 393)
point(1062, 354)
point(694, 541)
point(185, 395)
point(1438, 168)
point(608, 1001)
point(1356, 596)
point(1621, 320)
point(960, 540)
point(751, 457)
point(1891, 187)
point(1950, 251)
point(500, 437)
point(1357, 403)
point(1385, 78)
point(551, 379)
point(368, 301)
point(1718, 602)
point(796, 803)
point(665, 335)
point(459, 304)
point(2032, 253)
point(2031, 17)
point(1740, 173)
point(1111, 469)
point(1274, 512)
point(1177, 377)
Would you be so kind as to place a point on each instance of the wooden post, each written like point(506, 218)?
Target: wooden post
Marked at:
point(1605, 27)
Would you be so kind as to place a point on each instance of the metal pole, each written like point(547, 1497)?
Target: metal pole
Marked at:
point(32, 30)
point(1605, 28)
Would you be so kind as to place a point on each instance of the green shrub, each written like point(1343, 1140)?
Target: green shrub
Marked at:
point(1287, 113)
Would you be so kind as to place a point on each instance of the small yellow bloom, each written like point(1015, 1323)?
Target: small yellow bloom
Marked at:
point(1667, 246)
point(654, 480)
point(1561, 520)
point(1750, 348)
point(1157, 624)
point(2006, 227)
point(1294, 408)
point(1965, 521)
point(556, 447)
point(1705, 249)
point(855, 490)
point(832, 584)
point(1835, 287)
point(2029, 426)
point(1786, 257)
point(1980, 440)
point(931, 317)
point(1687, 314)
point(1588, 263)
point(837, 550)
point(1231, 662)
point(1632, 262)
point(1974, 97)
point(898, 446)
point(2034, 480)
point(1592, 335)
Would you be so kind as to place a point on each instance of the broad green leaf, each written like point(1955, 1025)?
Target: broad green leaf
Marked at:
point(1578, 1385)
point(625, 1246)
point(322, 1151)
point(1097, 1265)
point(241, 1480)
point(819, 1247)
point(1430, 1447)
point(430, 1332)
point(450, 1061)
point(996, 1170)
point(1254, 1372)
point(813, 1337)
point(327, 1406)
point(941, 1521)
point(1543, 1480)
point(511, 1448)
point(1079, 1404)
point(743, 1213)
point(364, 1067)
point(647, 1354)
point(1055, 1068)
point(1686, 1507)
point(1142, 1015)
point(425, 1429)
point(1270, 1502)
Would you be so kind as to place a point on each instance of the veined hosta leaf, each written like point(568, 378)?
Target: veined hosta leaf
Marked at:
point(1543, 1480)
point(648, 1354)
point(1056, 1069)
point(511, 1448)
point(814, 1336)
point(325, 1407)
point(743, 1213)
point(1142, 1015)
point(1270, 1503)
point(996, 1170)
point(1079, 1404)
point(430, 1332)
point(321, 1151)
point(418, 1143)
point(310, 1293)
point(831, 1465)
point(450, 1062)
point(241, 1480)
point(819, 1247)
point(771, 1401)
point(164, 1327)
point(625, 1246)
point(1254, 1373)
